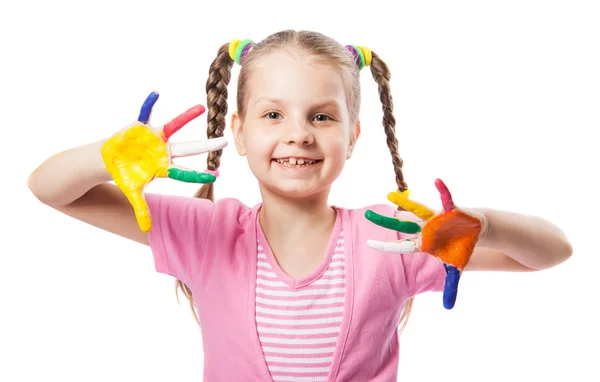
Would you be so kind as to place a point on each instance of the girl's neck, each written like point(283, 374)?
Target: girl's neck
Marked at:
point(286, 216)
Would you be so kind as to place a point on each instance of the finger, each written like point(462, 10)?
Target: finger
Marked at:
point(190, 176)
point(176, 124)
point(197, 147)
point(405, 246)
point(451, 286)
point(401, 200)
point(141, 209)
point(392, 223)
point(146, 110)
point(445, 194)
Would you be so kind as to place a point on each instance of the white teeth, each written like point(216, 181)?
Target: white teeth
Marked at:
point(293, 162)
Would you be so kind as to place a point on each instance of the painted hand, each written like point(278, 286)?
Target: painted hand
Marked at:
point(140, 153)
point(450, 236)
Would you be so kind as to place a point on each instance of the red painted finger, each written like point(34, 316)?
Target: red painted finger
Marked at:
point(176, 124)
point(445, 194)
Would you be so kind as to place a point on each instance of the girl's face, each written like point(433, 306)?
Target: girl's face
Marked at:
point(296, 130)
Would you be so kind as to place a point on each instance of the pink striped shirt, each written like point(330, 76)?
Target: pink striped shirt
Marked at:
point(299, 321)
point(212, 248)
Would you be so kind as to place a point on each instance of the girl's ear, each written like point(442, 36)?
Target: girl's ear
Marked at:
point(236, 127)
point(353, 140)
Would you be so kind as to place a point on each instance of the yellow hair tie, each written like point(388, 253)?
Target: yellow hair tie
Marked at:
point(232, 47)
point(239, 48)
point(367, 54)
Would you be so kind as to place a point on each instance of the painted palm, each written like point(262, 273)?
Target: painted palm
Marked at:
point(450, 236)
point(140, 153)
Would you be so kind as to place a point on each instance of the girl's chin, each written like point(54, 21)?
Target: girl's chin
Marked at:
point(296, 189)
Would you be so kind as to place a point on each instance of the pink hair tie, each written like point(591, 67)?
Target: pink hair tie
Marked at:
point(213, 172)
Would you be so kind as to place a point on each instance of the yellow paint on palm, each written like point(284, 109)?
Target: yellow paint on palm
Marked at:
point(401, 200)
point(134, 157)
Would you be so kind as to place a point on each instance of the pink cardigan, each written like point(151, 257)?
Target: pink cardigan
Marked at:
point(212, 249)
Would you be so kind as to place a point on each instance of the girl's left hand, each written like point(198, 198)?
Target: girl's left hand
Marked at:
point(450, 236)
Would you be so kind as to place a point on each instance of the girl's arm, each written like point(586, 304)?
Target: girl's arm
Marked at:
point(75, 182)
point(516, 242)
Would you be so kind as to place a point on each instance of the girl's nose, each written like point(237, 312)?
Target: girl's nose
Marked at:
point(299, 132)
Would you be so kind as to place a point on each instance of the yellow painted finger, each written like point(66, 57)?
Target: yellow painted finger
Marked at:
point(141, 209)
point(401, 200)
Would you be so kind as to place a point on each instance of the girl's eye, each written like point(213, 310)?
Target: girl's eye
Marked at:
point(273, 115)
point(322, 118)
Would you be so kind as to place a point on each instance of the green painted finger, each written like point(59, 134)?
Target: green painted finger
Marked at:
point(392, 223)
point(191, 176)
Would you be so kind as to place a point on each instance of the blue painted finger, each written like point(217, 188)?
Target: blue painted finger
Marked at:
point(451, 286)
point(147, 107)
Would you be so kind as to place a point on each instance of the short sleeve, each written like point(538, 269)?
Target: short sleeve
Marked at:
point(424, 273)
point(180, 227)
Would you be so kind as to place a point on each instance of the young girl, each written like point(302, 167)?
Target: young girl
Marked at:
point(289, 289)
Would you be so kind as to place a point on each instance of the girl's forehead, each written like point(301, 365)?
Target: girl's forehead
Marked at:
point(284, 74)
point(282, 55)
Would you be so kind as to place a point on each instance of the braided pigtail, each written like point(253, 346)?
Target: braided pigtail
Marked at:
point(216, 91)
point(219, 76)
point(381, 74)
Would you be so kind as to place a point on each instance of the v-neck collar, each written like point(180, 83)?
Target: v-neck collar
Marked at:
point(317, 272)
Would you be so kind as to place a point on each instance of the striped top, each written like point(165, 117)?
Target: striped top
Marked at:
point(299, 326)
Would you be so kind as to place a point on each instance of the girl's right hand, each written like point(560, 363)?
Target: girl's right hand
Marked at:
point(140, 153)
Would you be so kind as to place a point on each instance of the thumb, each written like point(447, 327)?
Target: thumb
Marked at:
point(141, 209)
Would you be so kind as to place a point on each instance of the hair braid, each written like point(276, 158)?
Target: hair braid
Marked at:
point(381, 75)
point(219, 76)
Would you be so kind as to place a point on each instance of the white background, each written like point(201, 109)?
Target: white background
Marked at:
point(499, 99)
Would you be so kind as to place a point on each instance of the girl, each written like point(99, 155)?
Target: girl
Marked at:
point(287, 290)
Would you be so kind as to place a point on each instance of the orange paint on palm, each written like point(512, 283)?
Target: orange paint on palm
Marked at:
point(451, 236)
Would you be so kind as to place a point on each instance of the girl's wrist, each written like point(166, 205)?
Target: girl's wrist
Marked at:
point(99, 174)
point(480, 214)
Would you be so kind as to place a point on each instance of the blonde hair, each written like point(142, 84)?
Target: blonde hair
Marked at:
point(316, 44)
